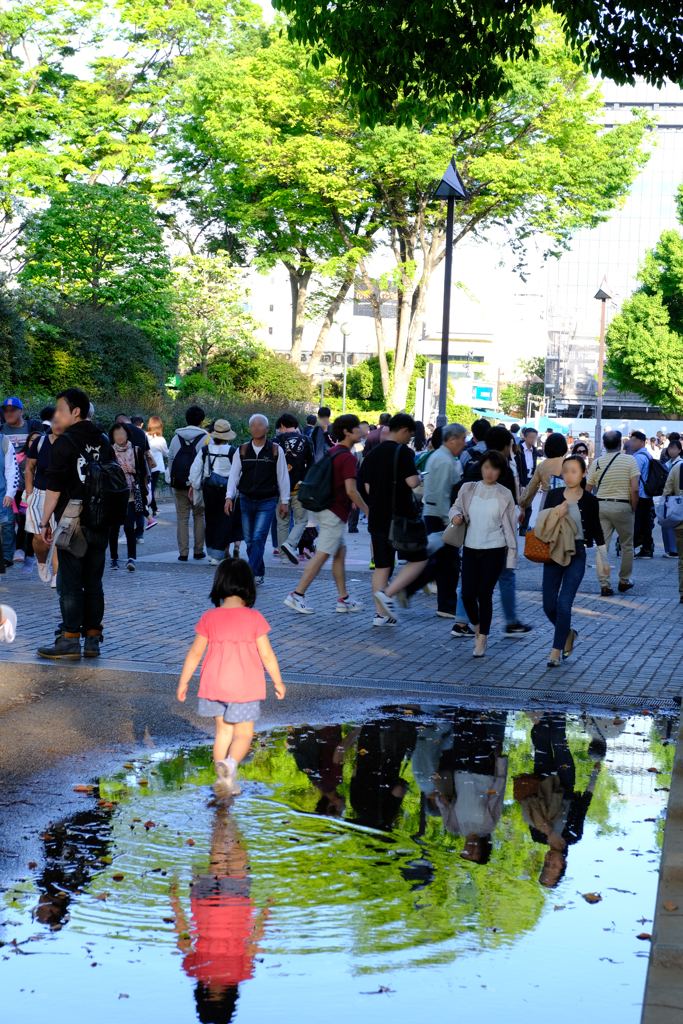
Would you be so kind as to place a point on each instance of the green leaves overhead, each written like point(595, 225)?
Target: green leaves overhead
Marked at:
point(414, 60)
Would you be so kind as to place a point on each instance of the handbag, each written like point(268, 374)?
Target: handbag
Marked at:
point(525, 785)
point(69, 535)
point(405, 534)
point(455, 535)
point(536, 550)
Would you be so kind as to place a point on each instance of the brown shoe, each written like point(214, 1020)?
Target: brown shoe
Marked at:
point(623, 587)
point(606, 592)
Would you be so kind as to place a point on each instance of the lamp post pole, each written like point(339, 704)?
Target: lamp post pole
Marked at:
point(346, 329)
point(603, 294)
point(451, 188)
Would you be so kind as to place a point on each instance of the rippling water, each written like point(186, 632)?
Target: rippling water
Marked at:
point(336, 884)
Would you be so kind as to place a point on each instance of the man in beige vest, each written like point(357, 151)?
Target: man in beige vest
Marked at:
point(614, 477)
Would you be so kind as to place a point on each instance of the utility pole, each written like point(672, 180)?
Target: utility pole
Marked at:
point(603, 294)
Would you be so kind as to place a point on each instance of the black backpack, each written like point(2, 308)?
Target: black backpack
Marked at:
point(653, 482)
point(470, 474)
point(105, 502)
point(297, 462)
point(316, 490)
point(214, 481)
point(182, 461)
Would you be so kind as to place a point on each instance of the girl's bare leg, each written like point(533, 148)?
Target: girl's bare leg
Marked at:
point(224, 734)
point(241, 740)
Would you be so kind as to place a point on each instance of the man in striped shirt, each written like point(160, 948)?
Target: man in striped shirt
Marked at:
point(614, 478)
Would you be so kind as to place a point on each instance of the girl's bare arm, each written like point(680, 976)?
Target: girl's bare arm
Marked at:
point(194, 656)
point(271, 666)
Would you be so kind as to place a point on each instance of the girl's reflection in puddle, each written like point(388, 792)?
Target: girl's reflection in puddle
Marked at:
point(222, 940)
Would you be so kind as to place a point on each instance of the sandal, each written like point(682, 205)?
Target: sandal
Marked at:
point(569, 645)
point(552, 664)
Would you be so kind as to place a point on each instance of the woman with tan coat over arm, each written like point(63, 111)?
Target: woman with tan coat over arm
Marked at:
point(548, 474)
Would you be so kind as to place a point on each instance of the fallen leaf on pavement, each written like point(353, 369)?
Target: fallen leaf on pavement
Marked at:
point(149, 824)
point(117, 878)
point(102, 896)
point(592, 897)
point(652, 769)
point(649, 819)
point(168, 920)
point(645, 936)
point(190, 842)
point(83, 789)
point(143, 782)
point(670, 906)
point(491, 792)
point(32, 864)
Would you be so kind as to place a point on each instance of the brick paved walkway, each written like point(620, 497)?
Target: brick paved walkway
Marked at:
point(626, 647)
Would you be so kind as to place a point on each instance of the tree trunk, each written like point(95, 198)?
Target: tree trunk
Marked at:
point(298, 282)
point(327, 323)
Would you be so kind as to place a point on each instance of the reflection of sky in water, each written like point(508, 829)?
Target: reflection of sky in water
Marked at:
point(346, 908)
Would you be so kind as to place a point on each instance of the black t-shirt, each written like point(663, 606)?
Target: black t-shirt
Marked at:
point(65, 471)
point(377, 471)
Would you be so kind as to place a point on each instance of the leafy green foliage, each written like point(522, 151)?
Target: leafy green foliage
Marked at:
point(262, 375)
point(100, 246)
point(209, 304)
point(12, 352)
point(513, 396)
point(93, 348)
point(644, 342)
point(422, 59)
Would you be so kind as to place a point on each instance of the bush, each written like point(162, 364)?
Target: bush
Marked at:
point(260, 376)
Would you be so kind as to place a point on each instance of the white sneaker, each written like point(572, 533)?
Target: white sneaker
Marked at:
point(226, 771)
point(430, 588)
point(446, 615)
point(45, 572)
point(348, 604)
point(214, 561)
point(298, 603)
point(18, 555)
point(387, 604)
point(259, 580)
point(291, 554)
point(384, 620)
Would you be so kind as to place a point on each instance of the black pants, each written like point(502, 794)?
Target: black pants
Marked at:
point(129, 528)
point(481, 568)
point(444, 567)
point(79, 584)
point(552, 755)
point(153, 503)
point(642, 527)
point(353, 518)
point(524, 527)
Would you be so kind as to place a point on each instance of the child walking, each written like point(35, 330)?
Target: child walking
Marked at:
point(232, 682)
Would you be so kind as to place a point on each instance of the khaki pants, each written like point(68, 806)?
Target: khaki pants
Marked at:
point(615, 515)
point(183, 508)
point(678, 537)
point(300, 522)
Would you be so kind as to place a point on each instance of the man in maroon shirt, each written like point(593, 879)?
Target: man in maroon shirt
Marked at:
point(376, 436)
point(332, 520)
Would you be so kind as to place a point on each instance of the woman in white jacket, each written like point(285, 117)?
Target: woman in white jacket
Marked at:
point(490, 543)
point(209, 476)
point(159, 449)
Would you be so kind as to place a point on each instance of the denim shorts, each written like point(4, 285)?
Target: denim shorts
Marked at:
point(231, 712)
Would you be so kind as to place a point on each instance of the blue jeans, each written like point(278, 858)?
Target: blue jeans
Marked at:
point(560, 584)
point(669, 541)
point(9, 540)
point(257, 516)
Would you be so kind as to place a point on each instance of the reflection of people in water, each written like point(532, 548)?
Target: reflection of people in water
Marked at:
point(432, 742)
point(318, 750)
point(556, 813)
point(72, 850)
point(471, 781)
point(225, 930)
point(377, 788)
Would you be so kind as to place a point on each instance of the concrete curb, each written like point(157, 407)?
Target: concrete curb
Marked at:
point(663, 999)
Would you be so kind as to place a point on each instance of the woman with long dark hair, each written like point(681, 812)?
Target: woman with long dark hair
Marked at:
point(132, 461)
point(562, 576)
point(419, 440)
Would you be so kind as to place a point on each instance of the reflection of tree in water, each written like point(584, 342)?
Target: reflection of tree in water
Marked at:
point(73, 849)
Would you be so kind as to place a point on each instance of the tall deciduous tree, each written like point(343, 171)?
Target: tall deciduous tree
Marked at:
point(644, 341)
point(538, 164)
point(209, 302)
point(273, 143)
point(413, 58)
point(101, 246)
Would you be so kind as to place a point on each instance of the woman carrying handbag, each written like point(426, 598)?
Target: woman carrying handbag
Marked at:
point(569, 523)
point(670, 512)
point(488, 510)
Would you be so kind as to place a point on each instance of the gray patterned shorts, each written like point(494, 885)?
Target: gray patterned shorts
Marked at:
point(232, 712)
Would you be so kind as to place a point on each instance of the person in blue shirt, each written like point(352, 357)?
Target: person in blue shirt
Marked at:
point(642, 527)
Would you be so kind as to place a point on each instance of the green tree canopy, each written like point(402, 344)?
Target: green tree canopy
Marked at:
point(513, 397)
point(100, 246)
point(644, 342)
point(412, 58)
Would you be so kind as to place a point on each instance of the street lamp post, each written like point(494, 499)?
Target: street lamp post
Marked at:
point(346, 329)
point(603, 294)
point(450, 188)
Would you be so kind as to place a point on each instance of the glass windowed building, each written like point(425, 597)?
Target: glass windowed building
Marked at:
point(614, 249)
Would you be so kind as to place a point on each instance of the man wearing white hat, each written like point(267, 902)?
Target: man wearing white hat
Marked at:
point(209, 475)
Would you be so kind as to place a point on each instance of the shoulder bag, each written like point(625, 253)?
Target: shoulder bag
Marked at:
point(405, 534)
point(536, 550)
point(454, 536)
point(670, 511)
point(602, 475)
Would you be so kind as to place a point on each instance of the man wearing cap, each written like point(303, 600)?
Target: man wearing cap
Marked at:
point(15, 426)
point(209, 476)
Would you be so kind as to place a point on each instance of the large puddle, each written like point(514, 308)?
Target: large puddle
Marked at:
point(431, 861)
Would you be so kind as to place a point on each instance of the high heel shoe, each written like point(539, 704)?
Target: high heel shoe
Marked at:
point(569, 645)
point(479, 654)
point(552, 664)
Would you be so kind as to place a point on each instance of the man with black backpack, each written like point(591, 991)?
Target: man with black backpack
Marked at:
point(182, 452)
point(104, 494)
point(209, 476)
point(614, 478)
point(299, 455)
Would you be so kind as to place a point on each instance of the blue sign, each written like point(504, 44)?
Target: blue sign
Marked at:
point(482, 394)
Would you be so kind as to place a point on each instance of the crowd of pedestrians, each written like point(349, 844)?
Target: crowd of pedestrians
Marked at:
point(444, 508)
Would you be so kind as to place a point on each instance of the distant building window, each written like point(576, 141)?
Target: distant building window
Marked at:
point(270, 330)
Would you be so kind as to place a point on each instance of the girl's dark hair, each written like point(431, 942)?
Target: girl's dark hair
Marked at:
point(497, 460)
point(234, 578)
point(32, 435)
point(420, 437)
point(120, 426)
point(555, 446)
